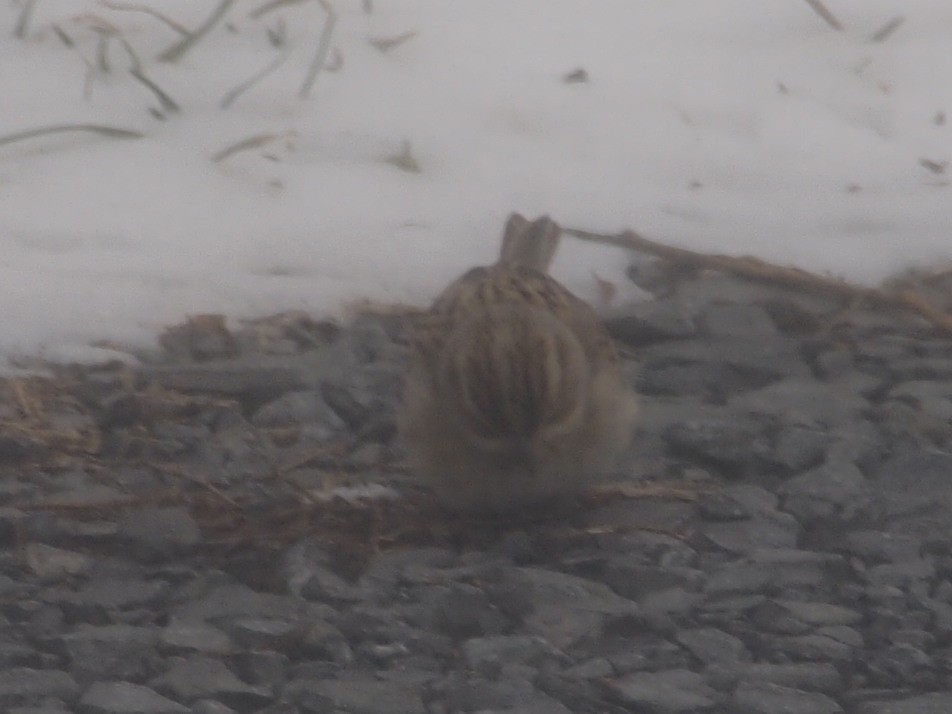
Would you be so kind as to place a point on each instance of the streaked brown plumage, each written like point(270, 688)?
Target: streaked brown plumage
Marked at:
point(514, 393)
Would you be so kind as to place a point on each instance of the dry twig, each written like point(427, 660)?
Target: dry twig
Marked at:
point(113, 5)
point(820, 9)
point(178, 50)
point(761, 271)
point(323, 48)
point(109, 131)
point(883, 33)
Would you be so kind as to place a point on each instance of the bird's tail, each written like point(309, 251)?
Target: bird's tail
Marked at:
point(529, 243)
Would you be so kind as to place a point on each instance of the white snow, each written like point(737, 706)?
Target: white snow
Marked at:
point(737, 126)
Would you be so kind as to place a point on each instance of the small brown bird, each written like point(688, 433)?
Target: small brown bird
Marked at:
point(514, 393)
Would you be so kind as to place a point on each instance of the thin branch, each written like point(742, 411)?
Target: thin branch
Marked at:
point(763, 272)
point(883, 33)
point(123, 6)
point(820, 9)
point(231, 96)
point(178, 50)
point(385, 44)
point(166, 102)
point(64, 38)
point(109, 131)
point(133, 55)
point(252, 142)
point(323, 47)
point(23, 20)
point(272, 6)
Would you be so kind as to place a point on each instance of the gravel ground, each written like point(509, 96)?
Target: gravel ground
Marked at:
point(225, 527)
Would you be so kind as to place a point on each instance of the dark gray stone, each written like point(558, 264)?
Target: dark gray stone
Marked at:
point(635, 580)
point(722, 507)
point(832, 489)
point(664, 516)
point(737, 320)
point(210, 706)
point(23, 685)
point(804, 401)
point(460, 610)
point(700, 381)
point(356, 695)
point(385, 572)
point(198, 677)
point(300, 407)
point(733, 442)
point(321, 640)
point(596, 668)
point(651, 321)
point(818, 614)
point(932, 398)
point(915, 492)
point(262, 667)
point(809, 676)
point(902, 573)
point(160, 531)
point(765, 530)
point(935, 703)
point(49, 563)
point(812, 648)
point(491, 655)
point(470, 694)
point(126, 698)
point(49, 707)
point(765, 526)
point(737, 579)
point(711, 645)
point(223, 602)
point(263, 633)
point(770, 698)
point(906, 369)
point(671, 602)
point(883, 546)
point(194, 637)
point(117, 593)
point(761, 359)
point(18, 654)
point(305, 567)
point(565, 609)
point(902, 665)
point(798, 447)
point(858, 442)
point(119, 652)
point(675, 690)
point(11, 521)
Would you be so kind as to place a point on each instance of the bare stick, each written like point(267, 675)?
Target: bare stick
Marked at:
point(113, 5)
point(820, 9)
point(761, 271)
point(272, 6)
point(178, 50)
point(323, 47)
point(23, 21)
point(231, 96)
point(64, 38)
point(252, 142)
point(882, 34)
point(110, 131)
point(167, 103)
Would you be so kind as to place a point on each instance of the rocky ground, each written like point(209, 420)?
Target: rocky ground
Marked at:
point(225, 527)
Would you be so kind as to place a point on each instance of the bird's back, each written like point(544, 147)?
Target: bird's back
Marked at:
point(503, 378)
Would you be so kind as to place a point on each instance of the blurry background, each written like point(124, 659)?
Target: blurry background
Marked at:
point(196, 164)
